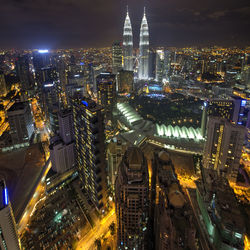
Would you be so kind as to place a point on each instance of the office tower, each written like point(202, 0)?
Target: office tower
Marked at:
point(204, 119)
point(61, 154)
point(222, 108)
point(90, 150)
point(144, 48)
point(23, 73)
point(167, 64)
point(106, 90)
point(241, 112)
point(8, 230)
point(159, 69)
point(62, 146)
point(21, 123)
point(223, 147)
point(41, 59)
point(116, 57)
point(220, 213)
point(3, 88)
point(95, 71)
point(151, 63)
point(173, 222)
point(115, 151)
point(132, 200)
point(125, 81)
point(127, 44)
point(49, 74)
point(66, 130)
point(50, 104)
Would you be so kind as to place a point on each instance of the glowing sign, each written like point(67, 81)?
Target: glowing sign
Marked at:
point(85, 103)
point(205, 104)
point(48, 85)
point(6, 201)
point(243, 103)
point(42, 51)
point(81, 63)
point(76, 75)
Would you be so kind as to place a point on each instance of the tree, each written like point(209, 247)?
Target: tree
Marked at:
point(98, 244)
point(112, 228)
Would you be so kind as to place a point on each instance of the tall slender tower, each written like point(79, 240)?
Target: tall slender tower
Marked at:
point(144, 48)
point(127, 44)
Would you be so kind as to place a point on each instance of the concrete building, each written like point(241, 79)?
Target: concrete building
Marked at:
point(106, 91)
point(62, 155)
point(90, 150)
point(3, 87)
point(223, 147)
point(8, 230)
point(125, 81)
point(173, 224)
point(132, 201)
point(115, 152)
point(66, 129)
point(116, 57)
point(21, 123)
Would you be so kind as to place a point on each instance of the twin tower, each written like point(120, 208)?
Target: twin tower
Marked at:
point(128, 61)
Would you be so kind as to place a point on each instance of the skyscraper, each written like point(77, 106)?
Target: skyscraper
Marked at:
point(3, 88)
point(159, 65)
point(23, 73)
point(106, 90)
point(21, 123)
point(144, 48)
point(90, 150)
point(127, 44)
point(8, 231)
point(116, 57)
point(223, 147)
point(132, 200)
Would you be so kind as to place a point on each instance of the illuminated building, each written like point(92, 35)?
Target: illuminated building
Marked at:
point(50, 104)
point(221, 108)
point(41, 59)
point(223, 147)
point(62, 146)
point(66, 130)
point(159, 70)
point(106, 90)
point(23, 73)
point(21, 123)
point(127, 44)
point(219, 210)
point(8, 229)
point(90, 150)
point(132, 200)
point(49, 74)
point(144, 48)
point(167, 64)
point(61, 155)
point(115, 151)
point(173, 216)
point(125, 80)
point(3, 88)
point(116, 57)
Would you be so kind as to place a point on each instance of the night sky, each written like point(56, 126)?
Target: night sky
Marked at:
point(97, 23)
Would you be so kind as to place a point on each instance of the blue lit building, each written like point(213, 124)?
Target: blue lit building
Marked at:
point(8, 230)
point(90, 150)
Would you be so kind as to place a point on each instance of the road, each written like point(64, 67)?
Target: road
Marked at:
point(101, 228)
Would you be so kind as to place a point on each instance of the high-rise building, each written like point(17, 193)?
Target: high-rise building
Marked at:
point(127, 44)
point(8, 230)
point(223, 147)
point(125, 81)
point(66, 130)
point(62, 146)
point(23, 73)
point(3, 88)
point(132, 200)
point(144, 48)
point(106, 90)
point(159, 69)
point(62, 155)
point(116, 57)
point(21, 123)
point(90, 150)
point(167, 64)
